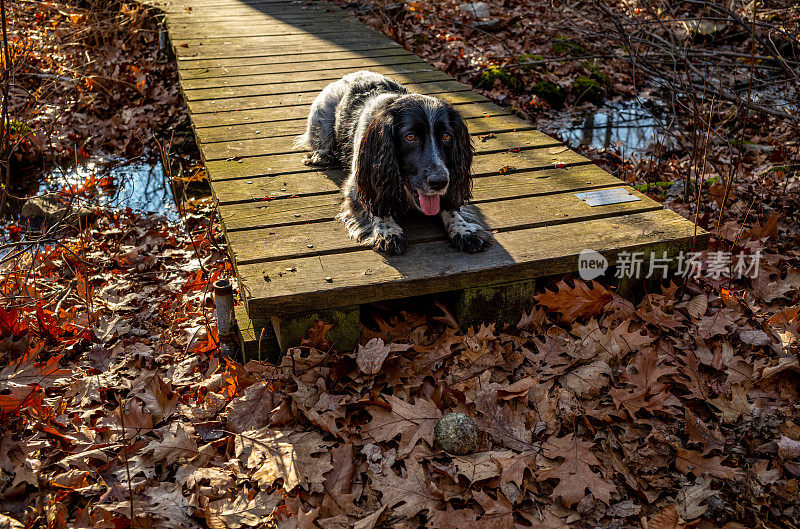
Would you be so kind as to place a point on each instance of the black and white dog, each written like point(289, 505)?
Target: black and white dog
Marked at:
point(404, 152)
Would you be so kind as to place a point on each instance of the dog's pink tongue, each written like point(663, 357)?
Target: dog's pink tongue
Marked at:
point(429, 203)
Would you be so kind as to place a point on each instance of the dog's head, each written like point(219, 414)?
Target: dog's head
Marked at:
point(415, 148)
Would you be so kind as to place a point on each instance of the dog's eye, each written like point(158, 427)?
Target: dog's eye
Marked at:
point(411, 137)
point(446, 136)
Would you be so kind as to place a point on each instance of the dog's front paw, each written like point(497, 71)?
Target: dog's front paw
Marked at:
point(320, 158)
point(392, 244)
point(472, 241)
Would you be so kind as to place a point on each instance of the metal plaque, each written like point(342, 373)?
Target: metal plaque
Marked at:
point(604, 197)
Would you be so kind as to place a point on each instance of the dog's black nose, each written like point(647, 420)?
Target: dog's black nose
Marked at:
point(437, 183)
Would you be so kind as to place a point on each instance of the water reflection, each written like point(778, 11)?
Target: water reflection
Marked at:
point(138, 185)
point(632, 125)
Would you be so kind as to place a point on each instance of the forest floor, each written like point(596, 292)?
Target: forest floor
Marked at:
point(118, 410)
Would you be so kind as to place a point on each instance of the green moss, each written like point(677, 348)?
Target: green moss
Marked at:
point(597, 74)
point(534, 59)
point(422, 39)
point(565, 46)
point(654, 187)
point(588, 89)
point(550, 92)
point(509, 79)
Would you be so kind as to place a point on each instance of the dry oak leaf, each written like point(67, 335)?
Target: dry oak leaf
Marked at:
point(497, 514)
point(411, 421)
point(690, 499)
point(299, 458)
point(370, 357)
point(666, 518)
point(716, 324)
point(613, 345)
point(168, 506)
point(338, 482)
point(513, 465)
point(406, 495)
point(574, 475)
point(691, 461)
point(701, 434)
point(242, 510)
point(575, 302)
point(157, 395)
point(647, 392)
point(252, 410)
point(27, 371)
point(454, 519)
point(788, 448)
point(506, 424)
point(587, 381)
point(173, 447)
point(478, 466)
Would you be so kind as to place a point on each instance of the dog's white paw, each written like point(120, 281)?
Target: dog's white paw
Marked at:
point(320, 158)
point(471, 240)
point(392, 244)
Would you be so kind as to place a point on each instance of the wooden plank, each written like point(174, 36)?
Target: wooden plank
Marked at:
point(275, 10)
point(301, 42)
point(545, 153)
point(320, 238)
point(336, 31)
point(481, 123)
point(297, 87)
point(286, 50)
point(448, 90)
point(190, 63)
point(325, 205)
point(299, 110)
point(195, 30)
point(280, 76)
point(366, 276)
point(509, 133)
point(526, 180)
point(342, 65)
point(321, 207)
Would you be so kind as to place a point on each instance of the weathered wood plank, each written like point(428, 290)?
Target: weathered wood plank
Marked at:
point(505, 135)
point(282, 77)
point(190, 63)
point(478, 119)
point(366, 276)
point(295, 87)
point(287, 33)
point(303, 209)
point(279, 10)
point(292, 109)
point(287, 52)
point(320, 238)
point(489, 185)
point(316, 46)
point(303, 41)
point(448, 89)
point(256, 171)
point(311, 66)
point(194, 30)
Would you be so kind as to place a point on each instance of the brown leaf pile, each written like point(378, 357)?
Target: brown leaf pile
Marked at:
point(592, 411)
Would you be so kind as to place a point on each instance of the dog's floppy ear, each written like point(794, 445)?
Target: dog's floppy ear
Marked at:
point(459, 163)
point(380, 185)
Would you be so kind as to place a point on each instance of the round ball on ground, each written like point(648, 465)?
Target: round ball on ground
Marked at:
point(457, 434)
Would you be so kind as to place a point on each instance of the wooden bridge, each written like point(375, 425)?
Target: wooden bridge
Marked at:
point(249, 70)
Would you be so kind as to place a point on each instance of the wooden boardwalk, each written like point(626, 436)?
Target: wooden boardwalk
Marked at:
point(249, 70)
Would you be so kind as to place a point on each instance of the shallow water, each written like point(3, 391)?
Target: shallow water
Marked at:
point(630, 126)
point(138, 185)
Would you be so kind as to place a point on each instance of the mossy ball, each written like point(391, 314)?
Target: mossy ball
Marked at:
point(457, 434)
